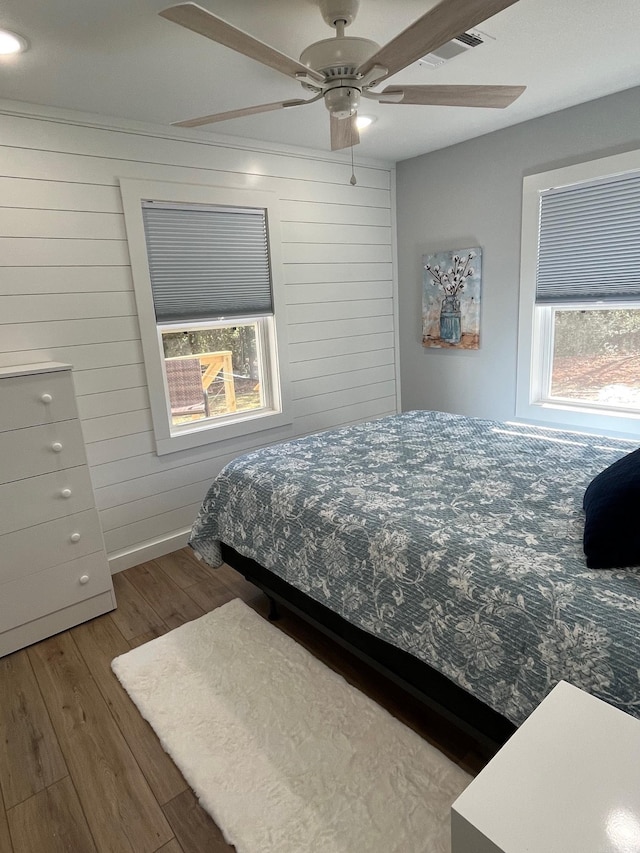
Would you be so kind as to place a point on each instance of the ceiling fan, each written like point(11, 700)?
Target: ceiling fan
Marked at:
point(343, 69)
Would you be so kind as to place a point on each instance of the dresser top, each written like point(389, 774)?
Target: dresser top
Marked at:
point(37, 367)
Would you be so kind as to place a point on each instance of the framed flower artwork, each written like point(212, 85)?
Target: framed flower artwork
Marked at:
point(451, 290)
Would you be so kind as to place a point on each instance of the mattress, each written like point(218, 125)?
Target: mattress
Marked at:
point(456, 539)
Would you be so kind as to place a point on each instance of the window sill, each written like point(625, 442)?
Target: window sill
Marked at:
point(565, 416)
point(211, 433)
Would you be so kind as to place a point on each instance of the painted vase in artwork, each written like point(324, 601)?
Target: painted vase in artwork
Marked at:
point(450, 320)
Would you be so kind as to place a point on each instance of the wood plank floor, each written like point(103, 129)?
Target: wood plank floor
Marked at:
point(80, 770)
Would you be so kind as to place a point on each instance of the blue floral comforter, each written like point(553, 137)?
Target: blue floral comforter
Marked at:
point(456, 539)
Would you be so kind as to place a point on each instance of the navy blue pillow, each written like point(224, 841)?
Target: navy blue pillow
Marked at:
point(612, 525)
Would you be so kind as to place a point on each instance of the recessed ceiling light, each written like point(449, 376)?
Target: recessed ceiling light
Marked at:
point(364, 121)
point(11, 43)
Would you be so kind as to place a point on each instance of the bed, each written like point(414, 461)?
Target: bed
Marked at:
point(445, 550)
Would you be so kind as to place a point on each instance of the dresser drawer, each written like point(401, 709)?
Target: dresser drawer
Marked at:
point(24, 552)
point(28, 502)
point(36, 595)
point(38, 399)
point(40, 449)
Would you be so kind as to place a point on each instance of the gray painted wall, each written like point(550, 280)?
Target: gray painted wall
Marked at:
point(471, 195)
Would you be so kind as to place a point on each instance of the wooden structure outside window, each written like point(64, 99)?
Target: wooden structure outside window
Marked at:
point(189, 377)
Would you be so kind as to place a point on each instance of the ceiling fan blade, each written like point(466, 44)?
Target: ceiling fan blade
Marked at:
point(247, 111)
point(344, 132)
point(195, 18)
point(446, 20)
point(498, 97)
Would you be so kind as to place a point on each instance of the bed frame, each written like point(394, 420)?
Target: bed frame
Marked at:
point(490, 729)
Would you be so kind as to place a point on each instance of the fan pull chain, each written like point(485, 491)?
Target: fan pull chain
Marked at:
point(352, 180)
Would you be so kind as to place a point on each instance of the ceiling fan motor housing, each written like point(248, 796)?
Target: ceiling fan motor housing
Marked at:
point(338, 59)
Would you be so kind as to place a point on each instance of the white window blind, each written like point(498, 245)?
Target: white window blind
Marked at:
point(207, 262)
point(589, 241)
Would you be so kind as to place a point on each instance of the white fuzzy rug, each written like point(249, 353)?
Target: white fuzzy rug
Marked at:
point(283, 753)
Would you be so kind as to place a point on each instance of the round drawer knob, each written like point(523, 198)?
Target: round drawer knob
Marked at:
point(56, 446)
point(46, 398)
point(66, 493)
point(84, 579)
point(75, 537)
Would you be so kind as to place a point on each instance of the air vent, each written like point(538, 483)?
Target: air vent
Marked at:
point(460, 44)
point(470, 39)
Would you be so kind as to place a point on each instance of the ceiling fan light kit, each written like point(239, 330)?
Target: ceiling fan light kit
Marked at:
point(342, 69)
point(342, 101)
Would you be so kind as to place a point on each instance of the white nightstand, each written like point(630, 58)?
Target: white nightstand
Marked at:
point(568, 781)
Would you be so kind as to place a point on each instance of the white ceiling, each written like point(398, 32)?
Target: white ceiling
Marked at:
point(118, 58)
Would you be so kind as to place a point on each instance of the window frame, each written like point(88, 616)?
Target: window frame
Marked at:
point(168, 439)
point(535, 325)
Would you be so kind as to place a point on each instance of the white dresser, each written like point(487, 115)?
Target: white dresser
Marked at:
point(53, 567)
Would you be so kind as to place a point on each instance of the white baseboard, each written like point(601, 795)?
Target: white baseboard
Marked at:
point(121, 560)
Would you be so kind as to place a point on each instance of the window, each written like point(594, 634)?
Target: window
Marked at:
point(579, 334)
point(214, 369)
point(206, 274)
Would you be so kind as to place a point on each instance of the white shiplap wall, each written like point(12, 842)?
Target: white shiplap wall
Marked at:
point(66, 294)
